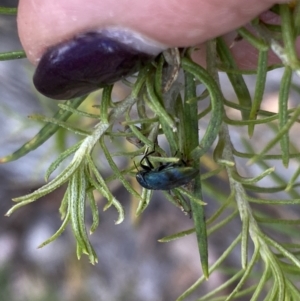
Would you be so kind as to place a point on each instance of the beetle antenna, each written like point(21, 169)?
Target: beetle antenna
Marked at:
point(135, 165)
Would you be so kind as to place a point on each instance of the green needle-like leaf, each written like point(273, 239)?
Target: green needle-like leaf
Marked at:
point(44, 134)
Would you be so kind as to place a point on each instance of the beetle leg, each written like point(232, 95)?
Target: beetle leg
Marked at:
point(150, 166)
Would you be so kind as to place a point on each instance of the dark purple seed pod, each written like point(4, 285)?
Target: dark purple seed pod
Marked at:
point(84, 64)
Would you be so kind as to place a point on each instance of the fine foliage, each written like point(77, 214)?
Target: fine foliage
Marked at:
point(165, 101)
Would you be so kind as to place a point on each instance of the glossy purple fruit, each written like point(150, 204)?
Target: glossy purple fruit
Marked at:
point(85, 64)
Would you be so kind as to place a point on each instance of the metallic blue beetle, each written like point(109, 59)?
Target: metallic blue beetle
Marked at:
point(165, 177)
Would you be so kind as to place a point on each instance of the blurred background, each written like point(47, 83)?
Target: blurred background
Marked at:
point(132, 264)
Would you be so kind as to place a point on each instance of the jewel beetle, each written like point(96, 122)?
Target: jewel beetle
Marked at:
point(165, 177)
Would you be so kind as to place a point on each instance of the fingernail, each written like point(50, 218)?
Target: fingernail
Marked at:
point(90, 61)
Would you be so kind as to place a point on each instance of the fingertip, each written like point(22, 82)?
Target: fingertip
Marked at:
point(46, 28)
point(173, 23)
